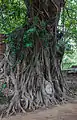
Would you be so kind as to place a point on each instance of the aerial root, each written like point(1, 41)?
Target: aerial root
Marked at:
point(32, 85)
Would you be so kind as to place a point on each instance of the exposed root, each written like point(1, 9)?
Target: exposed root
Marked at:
point(32, 86)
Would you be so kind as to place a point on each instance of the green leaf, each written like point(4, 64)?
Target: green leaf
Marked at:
point(4, 85)
point(31, 30)
point(28, 45)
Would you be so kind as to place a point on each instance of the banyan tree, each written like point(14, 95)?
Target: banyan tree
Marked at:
point(29, 65)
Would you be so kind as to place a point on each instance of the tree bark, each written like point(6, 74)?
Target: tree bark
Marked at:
point(38, 82)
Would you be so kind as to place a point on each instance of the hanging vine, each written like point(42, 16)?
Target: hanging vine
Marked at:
point(33, 75)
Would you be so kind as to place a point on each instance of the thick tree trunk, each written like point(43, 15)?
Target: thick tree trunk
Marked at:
point(37, 80)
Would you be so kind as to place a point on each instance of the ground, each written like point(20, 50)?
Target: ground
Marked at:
point(65, 111)
point(59, 112)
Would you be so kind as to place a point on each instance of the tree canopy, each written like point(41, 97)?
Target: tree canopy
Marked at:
point(68, 23)
point(31, 64)
point(12, 15)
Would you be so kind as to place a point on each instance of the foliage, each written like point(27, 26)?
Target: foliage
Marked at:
point(28, 37)
point(29, 79)
point(68, 24)
point(69, 59)
point(28, 40)
point(12, 15)
point(69, 19)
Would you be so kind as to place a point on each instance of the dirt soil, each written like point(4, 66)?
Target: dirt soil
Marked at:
point(60, 112)
point(66, 111)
